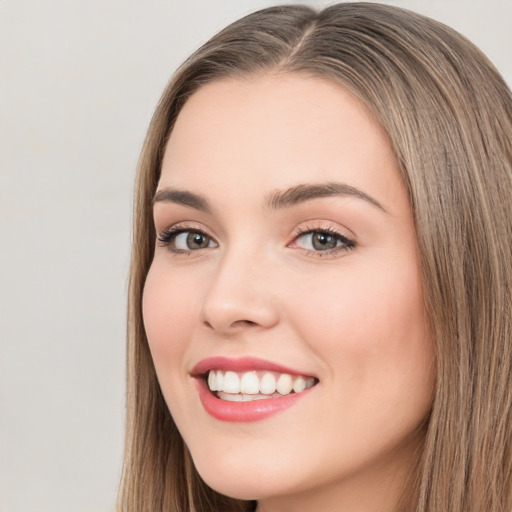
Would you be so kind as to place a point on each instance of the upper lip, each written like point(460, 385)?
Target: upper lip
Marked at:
point(241, 364)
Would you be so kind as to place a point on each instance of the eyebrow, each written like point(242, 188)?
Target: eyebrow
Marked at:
point(277, 200)
point(182, 197)
point(306, 192)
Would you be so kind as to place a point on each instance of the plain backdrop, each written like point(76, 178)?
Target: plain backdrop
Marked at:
point(78, 84)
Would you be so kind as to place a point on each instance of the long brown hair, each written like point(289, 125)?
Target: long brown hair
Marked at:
point(448, 114)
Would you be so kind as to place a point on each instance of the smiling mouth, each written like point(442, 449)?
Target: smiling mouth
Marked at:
point(255, 385)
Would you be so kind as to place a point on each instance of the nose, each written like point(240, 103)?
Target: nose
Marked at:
point(240, 296)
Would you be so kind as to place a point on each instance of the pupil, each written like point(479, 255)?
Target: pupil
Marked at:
point(323, 241)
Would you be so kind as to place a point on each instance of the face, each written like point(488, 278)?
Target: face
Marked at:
point(286, 275)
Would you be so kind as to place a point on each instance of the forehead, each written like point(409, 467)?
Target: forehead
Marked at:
point(277, 130)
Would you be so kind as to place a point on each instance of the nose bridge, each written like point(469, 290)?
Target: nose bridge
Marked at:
point(240, 293)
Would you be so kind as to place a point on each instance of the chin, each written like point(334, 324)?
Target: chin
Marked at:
point(242, 487)
point(242, 481)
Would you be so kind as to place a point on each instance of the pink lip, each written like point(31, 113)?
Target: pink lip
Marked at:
point(241, 364)
point(242, 411)
point(245, 411)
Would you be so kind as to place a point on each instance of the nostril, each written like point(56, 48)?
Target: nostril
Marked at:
point(242, 323)
point(237, 323)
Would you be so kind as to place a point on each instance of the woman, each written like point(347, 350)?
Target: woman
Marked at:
point(320, 298)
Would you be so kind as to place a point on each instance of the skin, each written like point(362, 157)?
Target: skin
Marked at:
point(352, 317)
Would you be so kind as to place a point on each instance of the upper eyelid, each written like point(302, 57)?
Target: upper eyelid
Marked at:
point(332, 232)
point(179, 228)
point(299, 231)
point(185, 226)
point(325, 226)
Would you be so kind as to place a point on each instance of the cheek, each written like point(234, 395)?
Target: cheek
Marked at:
point(168, 310)
point(372, 335)
point(358, 303)
point(370, 326)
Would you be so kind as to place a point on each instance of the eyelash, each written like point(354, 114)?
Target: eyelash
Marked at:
point(167, 237)
point(347, 244)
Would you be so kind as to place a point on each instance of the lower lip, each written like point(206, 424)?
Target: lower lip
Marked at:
point(253, 410)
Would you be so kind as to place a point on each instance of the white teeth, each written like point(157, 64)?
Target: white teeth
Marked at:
point(239, 397)
point(248, 398)
point(231, 397)
point(212, 381)
point(231, 383)
point(299, 384)
point(267, 384)
point(220, 380)
point(284, 384)
point(253, 385)
point(250, 384)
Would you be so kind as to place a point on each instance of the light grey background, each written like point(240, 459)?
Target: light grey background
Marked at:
point(78, 84)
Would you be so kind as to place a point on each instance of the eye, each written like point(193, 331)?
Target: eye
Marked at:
point(191, 241)
point(185, 240)
point(325, 240)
